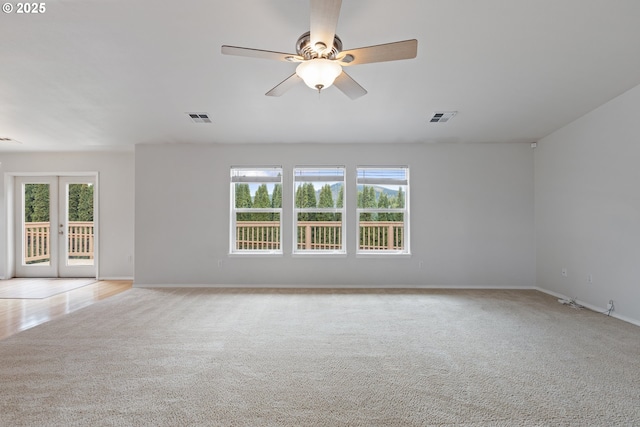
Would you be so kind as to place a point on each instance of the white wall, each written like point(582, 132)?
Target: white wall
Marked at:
point(471, 216)
point(587, 195)
point(115, 204)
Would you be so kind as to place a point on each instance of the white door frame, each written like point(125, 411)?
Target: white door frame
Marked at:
point(58, 223)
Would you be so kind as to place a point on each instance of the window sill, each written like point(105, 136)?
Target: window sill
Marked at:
point(319, 254)
point(383, 254)
point(254, 254)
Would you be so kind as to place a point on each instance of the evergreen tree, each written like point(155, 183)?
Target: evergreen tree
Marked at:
point(85, 203)
point(74, 198)
point(276, 197)
point(340, 200)
point(399, 204)
point(243, 200)
point(276, 201)
point(261, 200)
point(40, 203)
point(367, 199)
point(28, 202)
point(325, 201)
point(306, 198)
point(383, 202)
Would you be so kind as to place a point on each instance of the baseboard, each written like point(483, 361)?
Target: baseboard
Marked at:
point(116, 278)
point(332, 286)
point(591, 306)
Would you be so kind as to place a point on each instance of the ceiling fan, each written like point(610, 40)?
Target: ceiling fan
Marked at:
point(320, 56)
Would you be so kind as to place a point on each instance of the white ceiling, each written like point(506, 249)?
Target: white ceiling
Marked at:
point(108, 74)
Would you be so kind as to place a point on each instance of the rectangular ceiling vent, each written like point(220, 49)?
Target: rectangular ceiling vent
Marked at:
point(442, 116)
point(199, 117)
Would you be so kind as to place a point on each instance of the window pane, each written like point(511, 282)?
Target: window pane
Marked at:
point(382, 205)
point(80, 243)
point(319, 231)
point(257, 195)
point(319, 209)
point(257, 231)
point(322, 187)
point(37, 243)
point(379, 196)
point(385, 233)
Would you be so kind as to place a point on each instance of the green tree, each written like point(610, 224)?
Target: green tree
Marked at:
point(367, 199)
point(28, 202)
point(74, 198)
point(306, 198)
point(276, 197)
point(340, 200)
point(398, 204)
point(243, 200)
point(40, 203)
point(85, 203)
point(325, 201)
point(383, 202)
point(276, 201)
point(261, 200)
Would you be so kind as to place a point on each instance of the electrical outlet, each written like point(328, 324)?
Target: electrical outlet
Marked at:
point(564, 272)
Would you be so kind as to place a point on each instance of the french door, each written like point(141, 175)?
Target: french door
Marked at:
point(55, 226)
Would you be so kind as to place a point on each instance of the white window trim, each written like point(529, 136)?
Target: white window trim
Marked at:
point(234, 211)
point(374, 253)
point(327, 253)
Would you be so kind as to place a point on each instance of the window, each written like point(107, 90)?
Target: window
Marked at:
point(383, 210)
point(256, 210)
point(319, 210)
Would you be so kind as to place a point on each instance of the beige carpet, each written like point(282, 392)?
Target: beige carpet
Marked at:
point(207, 357)
point(37, 288)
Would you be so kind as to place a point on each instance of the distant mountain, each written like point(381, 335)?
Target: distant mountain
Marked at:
point(335, 190)
point(379, 190)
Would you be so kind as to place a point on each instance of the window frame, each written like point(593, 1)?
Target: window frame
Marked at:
point(299, 177)
point(406, 251)
point(249, 178)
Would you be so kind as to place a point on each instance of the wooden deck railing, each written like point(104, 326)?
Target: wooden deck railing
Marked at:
point(319, 235)
point(381, 235)
point(258, 235)
point(37, 243)
point(81, 239)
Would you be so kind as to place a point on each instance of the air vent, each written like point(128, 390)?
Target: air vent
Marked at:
point(9, 141)
point(442, 116)
point(199, 117)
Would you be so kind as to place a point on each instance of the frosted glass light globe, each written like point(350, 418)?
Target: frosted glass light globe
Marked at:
point(319, 73)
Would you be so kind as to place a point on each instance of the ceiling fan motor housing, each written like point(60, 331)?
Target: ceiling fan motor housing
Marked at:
point(307, 51)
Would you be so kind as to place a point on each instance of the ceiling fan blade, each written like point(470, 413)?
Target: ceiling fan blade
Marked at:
point(284, 85)
point(407, 49)
point(324, 19)
point(261, 54)
point(348, 86)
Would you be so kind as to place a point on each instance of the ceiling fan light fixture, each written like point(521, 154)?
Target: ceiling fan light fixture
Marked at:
point(319, 73)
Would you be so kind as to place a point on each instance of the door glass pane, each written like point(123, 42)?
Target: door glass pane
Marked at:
point(80, 235)
point(37, 244)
